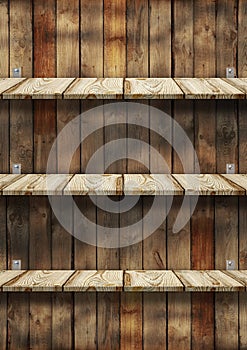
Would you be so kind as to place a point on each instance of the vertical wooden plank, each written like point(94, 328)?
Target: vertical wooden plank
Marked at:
point(204, 38)
point(18, 239)
point(114, 38)
point(242, 39)
point(137, 38)
point(85, 313)
point(226, 247)
point(4, 39)
point(182, 43)
point(226, 36)
point(179, 304)
point(4, 137)
point(160, 38)
point(21, 48)
point(21, 135)
point(40, 258)
point(68, 38)
point(92, 38)
point(242, 130)
point(3, 265)
point(44, 38)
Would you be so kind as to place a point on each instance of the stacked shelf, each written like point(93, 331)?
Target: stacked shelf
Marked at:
point(126, 281)
point(125, 184)
point(119, 88)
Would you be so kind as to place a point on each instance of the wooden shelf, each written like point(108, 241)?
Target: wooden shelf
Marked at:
point(123, 88)
point(125, 184)
point(120, 280)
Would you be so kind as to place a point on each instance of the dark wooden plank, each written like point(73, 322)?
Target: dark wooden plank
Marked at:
point(3, 266)
point(4, 39)
point(160, 38)
point(4, 136)
point(242, 130)
point(114, 38)
point(204, 38)
point(137, 38)
point(226, 36)
point(182, 44)
point(21, 34)
point(242, 39)
point(44, 38)
point(21, 135)
point(226, 247)
point(92, 38)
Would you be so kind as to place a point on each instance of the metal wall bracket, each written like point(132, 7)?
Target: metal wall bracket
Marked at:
point(230, 265)
point(16, 264)
point(17, 72)
point(16, 169)
point(230, 72)
point(230, 168)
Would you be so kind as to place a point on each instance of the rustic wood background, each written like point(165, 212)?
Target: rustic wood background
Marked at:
point(123, 38)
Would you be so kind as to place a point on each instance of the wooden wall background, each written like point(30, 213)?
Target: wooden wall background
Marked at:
point(123, 38)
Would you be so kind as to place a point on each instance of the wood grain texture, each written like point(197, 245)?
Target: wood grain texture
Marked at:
point(242, 122)
point(92, 38)
point(160, 38)
point(39, 88)
point(44, 37)
point(94, 184)
point(151, 281)
point(238, 275)
point(207, 184)
point(6, 179)
point(6, 276)
point(67, 40)
point(39, 281)
point(242, 39)
point(21, 36)
point(38, 184)
point(114, 38)
point(137, 38)
point(100, 281)
point(151, 184)
point(21, 135)
point(95, 88)
point(239, 83)
point(208, 88)
point(151, 88)
point(4, 39)
point(8, 83)
point(239, 179)
point(4, 136)
point(209, 280)
point(182, 43)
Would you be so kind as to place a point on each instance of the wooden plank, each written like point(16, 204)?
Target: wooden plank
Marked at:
point(160, 38)
point(92, 38)
point(238, 83)
point(238, 179)
point(151, 184)
point(100, 281)
point(226, 36)
point(207, 184)
point(84, 184)
point(8, 83)
point(204, 38)
point(114, 38)
point(242, 39)
point(68, 39)
point(208, 88)
point(21, 47)
point(8, 275)
point(208, 280)
point(44, 38)
point(39, 88)
point(4, 136)
point(95, 88)
point(242, 129)
point(39, 281)
point(151, 88)
point(7, 179)
point(3, 265)
point(21, 135)
point(238, 275)
point(182, 44)
point(38, 184)
point(4, 38)
point(152, 281)
point(137, 38)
